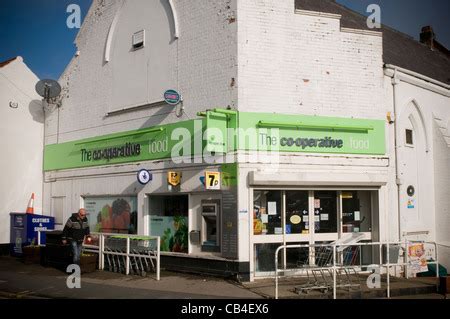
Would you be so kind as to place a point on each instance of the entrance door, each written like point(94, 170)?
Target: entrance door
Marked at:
point(279, 217)
point(415, 170)
point(302, 217)
point(326, 216)
point(298, 229)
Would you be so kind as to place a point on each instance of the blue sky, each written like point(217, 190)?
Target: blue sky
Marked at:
point(37, 30)
point(409, 16)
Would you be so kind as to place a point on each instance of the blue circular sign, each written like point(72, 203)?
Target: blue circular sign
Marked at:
point(144, 176)
point(172, 97)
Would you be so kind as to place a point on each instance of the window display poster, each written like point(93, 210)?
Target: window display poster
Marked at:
point(272, 208)
point(316, 203)
point(288, 229)
point(257, 221)
point(264, 218)
point(173, 232)
point(112, 214)
point(257, 227)
point(417, 258)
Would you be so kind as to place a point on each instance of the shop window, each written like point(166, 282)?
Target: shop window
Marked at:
point(265, 257)
point(409, 137)
point(112, 214)
point(297, 210)
point(169, 220)
point(297, 257)
point(267, 213)
point(325, 212)
point(356, 211)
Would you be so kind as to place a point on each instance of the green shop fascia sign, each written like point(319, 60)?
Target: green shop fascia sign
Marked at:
point(223, 131)
point(312, 134)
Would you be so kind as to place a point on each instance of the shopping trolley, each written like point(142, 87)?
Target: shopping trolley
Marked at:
point(318, 265)
point(113, 247)
point(142, 255)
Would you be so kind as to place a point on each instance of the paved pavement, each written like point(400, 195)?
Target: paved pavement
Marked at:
point(400, 288)
point(18, 280)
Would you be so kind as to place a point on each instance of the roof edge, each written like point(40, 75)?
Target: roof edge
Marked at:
point(5, 63)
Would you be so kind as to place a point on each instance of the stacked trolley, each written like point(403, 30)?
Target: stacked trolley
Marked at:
point(326, 266)
point(139, 251)
point(318, 266)
point(127, 254)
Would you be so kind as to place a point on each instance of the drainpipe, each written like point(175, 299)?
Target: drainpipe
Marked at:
point(43, 159)
point(398, 181)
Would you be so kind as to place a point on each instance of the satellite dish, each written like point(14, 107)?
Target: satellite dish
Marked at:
point(48, 89)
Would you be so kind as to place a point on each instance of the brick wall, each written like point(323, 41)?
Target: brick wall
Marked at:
point(201, 66)
point(301, 63)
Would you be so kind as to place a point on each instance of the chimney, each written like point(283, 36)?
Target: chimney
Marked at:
point(428, 37)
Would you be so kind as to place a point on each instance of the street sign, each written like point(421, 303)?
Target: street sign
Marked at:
point(174, 178)
point(144, 176)
point(212, 180)
point(172, 97)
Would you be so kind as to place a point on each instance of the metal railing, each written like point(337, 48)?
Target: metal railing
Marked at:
point(330, 260)
point(126, 253)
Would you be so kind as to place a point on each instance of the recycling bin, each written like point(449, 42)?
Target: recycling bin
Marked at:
point(55, 254)
point(24, 230)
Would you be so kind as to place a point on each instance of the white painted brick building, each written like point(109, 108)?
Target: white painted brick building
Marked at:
point(22, 132)
point(310, 63)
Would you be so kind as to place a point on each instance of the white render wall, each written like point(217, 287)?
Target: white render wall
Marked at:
point(301, 63)
point(21, 142)
point(432, 212)
point(201, 64)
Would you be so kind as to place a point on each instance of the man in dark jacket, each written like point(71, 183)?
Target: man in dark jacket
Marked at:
point(75, 231)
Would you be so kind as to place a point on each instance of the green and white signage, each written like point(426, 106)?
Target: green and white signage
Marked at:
point(220, 131)
point(311, 134)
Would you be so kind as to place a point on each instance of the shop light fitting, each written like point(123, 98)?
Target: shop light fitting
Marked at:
point(334, 127)
point(152, 130)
